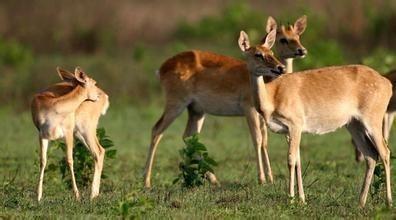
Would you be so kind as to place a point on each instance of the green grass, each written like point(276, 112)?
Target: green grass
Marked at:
point(332, 177)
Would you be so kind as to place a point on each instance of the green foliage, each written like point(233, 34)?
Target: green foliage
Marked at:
point(195, 163)
point(381, 60)
point(321, 54)
point(83, 162)
point(14, 54)
point(135, 206)
point(224, 26)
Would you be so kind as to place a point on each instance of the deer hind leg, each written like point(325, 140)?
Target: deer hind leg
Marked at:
point(194, 126)
point(69, 160)
point(384, 153)
point(264, 150)
point(254, 127)
point(366, 148)
point(387, 124)
point(172, 111)
point(90, 140)
point(43, 162)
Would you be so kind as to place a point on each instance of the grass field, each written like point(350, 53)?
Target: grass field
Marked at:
point(332, 178)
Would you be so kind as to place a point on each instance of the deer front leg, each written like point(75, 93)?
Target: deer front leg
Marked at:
point(254, 127)
point(294, 162)
point(264, 150)
point(43, 163)
point(69, 160)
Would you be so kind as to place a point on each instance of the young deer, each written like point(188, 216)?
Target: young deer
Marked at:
point(288, 45)
point(320, 101)
point(54, 115)
point(208, 83)
point(86, 122)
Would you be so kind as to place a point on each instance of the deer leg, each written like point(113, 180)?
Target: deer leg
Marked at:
point(88, 137)
point(384, 154)
point(69, 160)
point(170, 114)
point(294, 162)
point(387, 125)
point(194, 126)
point(254, 127)
point(264, 149)
point(43, 162)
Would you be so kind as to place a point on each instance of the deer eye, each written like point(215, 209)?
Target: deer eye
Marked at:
point(283, 41)
point(258, 55)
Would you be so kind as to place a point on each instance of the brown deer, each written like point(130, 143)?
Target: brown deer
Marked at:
point(207, 83)
point(320, 101)
point(63, 109)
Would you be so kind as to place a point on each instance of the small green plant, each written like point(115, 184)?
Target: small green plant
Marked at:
point(195, 163)
point(83, 161)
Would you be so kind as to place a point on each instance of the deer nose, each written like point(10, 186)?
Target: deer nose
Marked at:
point(281, 68)
point(302, 51)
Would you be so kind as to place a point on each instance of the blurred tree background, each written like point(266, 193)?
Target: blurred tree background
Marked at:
point(122, 43)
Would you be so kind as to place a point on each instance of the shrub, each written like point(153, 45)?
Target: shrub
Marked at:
point(14, 54)
point(382, 60)
point(195, 163)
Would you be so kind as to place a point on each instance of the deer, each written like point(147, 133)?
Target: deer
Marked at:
point(389, 115)
point(320, 101)
point(208, 83)
point(72, 107)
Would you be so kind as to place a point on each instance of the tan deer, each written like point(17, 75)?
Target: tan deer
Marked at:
point(86, 122)
point(320, 101)
point(389, 115)
point(288, 45)
point(54, 113)
point(209, 83)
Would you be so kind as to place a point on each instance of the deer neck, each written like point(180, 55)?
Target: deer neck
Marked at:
point(288, 62)
point(260, 94)
point(71, 101)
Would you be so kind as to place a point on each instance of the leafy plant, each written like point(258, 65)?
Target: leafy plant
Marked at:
point(195, 163)
point(382, 60)
point(83, 161)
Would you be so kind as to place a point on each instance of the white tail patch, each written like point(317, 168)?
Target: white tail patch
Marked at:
point(106, 105)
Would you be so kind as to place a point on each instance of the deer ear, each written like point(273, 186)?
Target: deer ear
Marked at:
point(243, 41)
point(271, 24)
point(300, 25)
point(80, 75)
point(65, 75)
point(269, 40)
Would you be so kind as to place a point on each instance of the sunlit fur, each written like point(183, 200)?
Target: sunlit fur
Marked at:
point(322, 100)
point(64, 109)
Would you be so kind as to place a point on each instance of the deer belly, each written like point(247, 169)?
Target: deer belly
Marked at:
point(320, 125)
point(223, 106)
point(276, 126)
point(51, 132)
